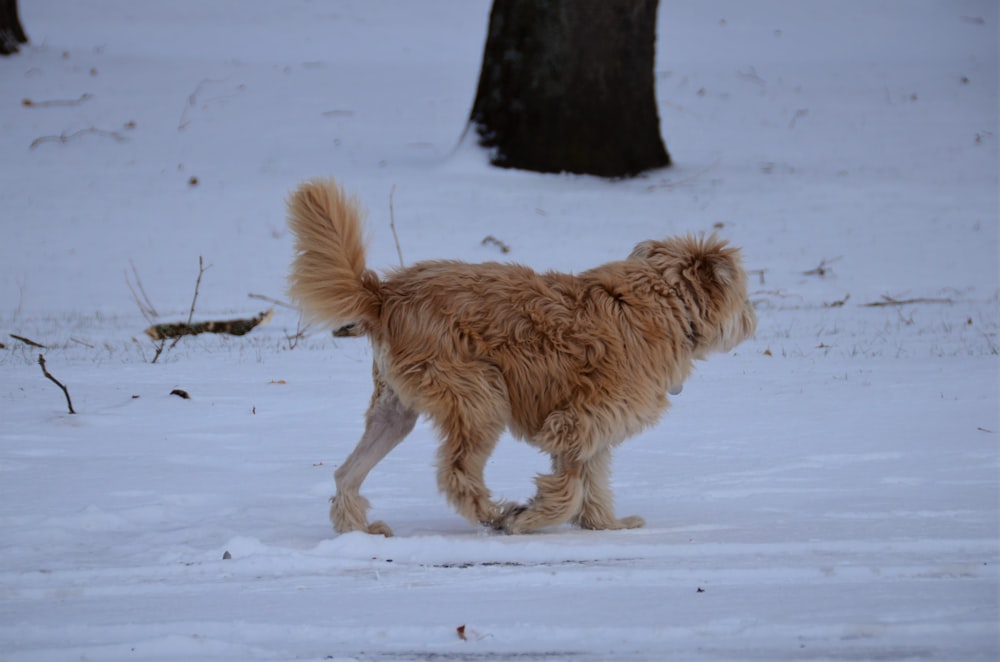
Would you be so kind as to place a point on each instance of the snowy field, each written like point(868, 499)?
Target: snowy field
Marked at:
point(827, 491)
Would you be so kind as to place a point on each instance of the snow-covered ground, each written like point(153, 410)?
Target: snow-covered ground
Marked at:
point(828, 491)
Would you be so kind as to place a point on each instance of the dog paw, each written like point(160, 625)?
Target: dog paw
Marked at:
point(516, 526)
point(631, 522)
point(495, 516)
point(379, 528)
point(507, 520)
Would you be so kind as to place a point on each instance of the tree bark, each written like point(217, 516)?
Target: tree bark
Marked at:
point(568, 86)
point(11, 33)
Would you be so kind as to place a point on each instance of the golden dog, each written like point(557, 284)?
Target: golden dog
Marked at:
point(572, 364)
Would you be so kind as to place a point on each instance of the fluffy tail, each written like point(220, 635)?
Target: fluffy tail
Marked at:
point(329, 279)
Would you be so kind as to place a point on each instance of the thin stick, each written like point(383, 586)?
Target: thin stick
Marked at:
point(490, 239)
point(145, 305)
point(276, 302)
point(69, 403)
point(159, 349)
point(890, 301)
point(822, 269)
point(300, 333)
point(28, 103)
point(392, 226)
point(65, 138)
point(27, 341)
point(192, 100)
point(197, 285)
point(839, 303)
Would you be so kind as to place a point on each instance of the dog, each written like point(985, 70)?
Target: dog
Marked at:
point(571, 364)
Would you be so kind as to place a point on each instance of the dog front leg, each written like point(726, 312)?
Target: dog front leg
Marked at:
point(559, 498)
point(597, 510)
point(461, 464)
point(471, 409)
point(387, 423)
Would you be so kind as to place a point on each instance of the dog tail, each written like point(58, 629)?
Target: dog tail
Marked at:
point(329, 279)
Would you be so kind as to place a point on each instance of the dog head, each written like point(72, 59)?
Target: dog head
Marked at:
point(707, 275)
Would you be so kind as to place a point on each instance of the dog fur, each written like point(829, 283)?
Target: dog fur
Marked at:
point(571, 364)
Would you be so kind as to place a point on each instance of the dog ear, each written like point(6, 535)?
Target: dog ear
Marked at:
point(715, 262)
point(643, 250)
point(709, 260)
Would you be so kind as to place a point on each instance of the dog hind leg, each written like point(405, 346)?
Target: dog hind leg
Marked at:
point(387, 423)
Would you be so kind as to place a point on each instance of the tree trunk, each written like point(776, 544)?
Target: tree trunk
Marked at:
point(568, 86)
point(11, 32)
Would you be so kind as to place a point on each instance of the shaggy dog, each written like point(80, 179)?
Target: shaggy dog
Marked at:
point(571, 364)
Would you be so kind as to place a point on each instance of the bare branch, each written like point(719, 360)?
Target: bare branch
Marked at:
point(300, 332)
point(65, 138)
point(838, 303)
point(69, 403)
point(194, 300)
point(392, 226)
point(276, 302)
point(145, 305)
point(822, 269)
point(28, 103)
point(491, 240)
point(891, 301)
point(193, 99)
point(801, 112)
point(27, 341)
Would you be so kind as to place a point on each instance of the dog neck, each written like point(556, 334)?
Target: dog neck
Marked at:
point(692, 332)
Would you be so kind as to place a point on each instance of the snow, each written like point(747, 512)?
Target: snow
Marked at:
point(827, 491)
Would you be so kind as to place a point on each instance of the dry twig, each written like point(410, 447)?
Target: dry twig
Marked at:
point(69, 403)
point(838, 303)
point(276, 302)
point(392, 226)
point(301, 329)
point(28, 103)
point(801, 112)
point(194, 300)
point(300, 332)
point(27, 341)
point(757, 272)
point(65, 138)
point(822, 269)
point(192, 100)
point(892, 301)
point(145, 305)
point(490, 239)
